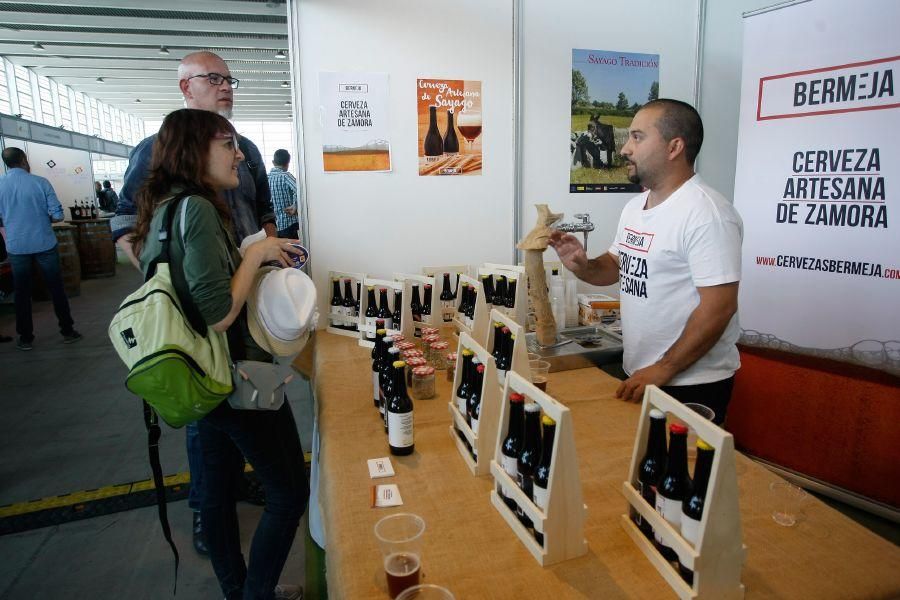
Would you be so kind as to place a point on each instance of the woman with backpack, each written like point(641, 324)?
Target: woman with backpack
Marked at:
point(195, 157)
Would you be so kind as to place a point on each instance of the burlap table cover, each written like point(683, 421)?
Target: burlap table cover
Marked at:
point(472, 551)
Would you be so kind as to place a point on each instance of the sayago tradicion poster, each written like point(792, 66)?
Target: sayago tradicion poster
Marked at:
point(608, 88)
point(449, 125)
point(355, 130)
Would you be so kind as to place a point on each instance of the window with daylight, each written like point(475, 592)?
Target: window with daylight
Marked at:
point(23, 93)
point(47, 115)
point(5, 97)
point(81, 119)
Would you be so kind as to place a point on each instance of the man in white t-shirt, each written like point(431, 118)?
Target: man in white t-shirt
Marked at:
point(677, 257)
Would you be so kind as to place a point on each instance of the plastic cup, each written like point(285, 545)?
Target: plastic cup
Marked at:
point(400, 540)
point(539, 371)
point(426, 591)
point(787, 499)
point(708, 414)
point(534, 356)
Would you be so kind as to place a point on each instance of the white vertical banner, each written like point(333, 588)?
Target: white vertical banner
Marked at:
point(818, 181)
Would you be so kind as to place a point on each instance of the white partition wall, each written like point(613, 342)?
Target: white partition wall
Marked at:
point(381, 223)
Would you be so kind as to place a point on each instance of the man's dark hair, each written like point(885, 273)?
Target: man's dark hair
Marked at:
point(281, 158)
point(107, 184)
point(14, 158)
point(680, 120)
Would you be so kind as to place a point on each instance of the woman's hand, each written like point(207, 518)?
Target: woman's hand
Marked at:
point(273, 248)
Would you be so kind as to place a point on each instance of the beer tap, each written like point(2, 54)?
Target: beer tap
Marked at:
point(585, 226)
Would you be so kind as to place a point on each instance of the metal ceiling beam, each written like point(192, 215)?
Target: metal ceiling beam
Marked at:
point(24, 48)
point(134, 36)
point(126, 75)
point(39, 60)
point(12, 18)
point(163, 85)
point(211, 6)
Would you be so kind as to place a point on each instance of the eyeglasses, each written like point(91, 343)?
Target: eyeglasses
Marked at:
point(217, 79)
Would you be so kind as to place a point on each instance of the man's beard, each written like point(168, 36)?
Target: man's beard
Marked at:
point(636, 177)
point(225, 112)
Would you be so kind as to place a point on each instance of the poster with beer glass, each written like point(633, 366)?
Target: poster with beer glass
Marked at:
point(355, 132)
point(608, 88)
point(449, 112)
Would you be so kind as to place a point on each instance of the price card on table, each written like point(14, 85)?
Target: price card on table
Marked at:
point(380, 467)
point(386, 495)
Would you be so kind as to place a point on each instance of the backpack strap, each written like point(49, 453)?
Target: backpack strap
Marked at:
point(151, 421)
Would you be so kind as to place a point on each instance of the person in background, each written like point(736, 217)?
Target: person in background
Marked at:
point(109, 199)
point(28, 205)
point(197, 153)
point(677, 256)
point(206, 83)
point(98, 191)
point(284, 196)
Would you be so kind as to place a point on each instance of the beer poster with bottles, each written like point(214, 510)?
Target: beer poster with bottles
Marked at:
point(449, 112)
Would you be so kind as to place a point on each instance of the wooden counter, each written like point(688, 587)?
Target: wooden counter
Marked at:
point(471, 550)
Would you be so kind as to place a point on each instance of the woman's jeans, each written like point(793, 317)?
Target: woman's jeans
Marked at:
point(270, 443)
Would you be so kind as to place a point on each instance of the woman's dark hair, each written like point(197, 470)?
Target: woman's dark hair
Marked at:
point(180, 157)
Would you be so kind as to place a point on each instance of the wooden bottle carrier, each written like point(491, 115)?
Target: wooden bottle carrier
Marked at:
point(519, 311)
point(563, 519)
point(355, 278)
point(448, 313)
point(719, 554)
point(520, 346)
point(364, 328)
point(479, 329)
point(408, 326)
point(484, 443)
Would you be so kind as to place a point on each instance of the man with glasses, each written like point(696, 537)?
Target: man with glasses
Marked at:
point(206, 84)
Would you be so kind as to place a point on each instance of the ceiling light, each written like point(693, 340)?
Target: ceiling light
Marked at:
point(163, 51)
point(137, 100)
point(279, 54)
point(287, 102)
point(100, 80)
point(37, 46)
point(285, 84)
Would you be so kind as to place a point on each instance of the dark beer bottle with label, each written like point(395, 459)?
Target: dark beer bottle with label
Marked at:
point(465, 381)
point(376, 366)
point(433, 148)
point(512, 443)
point(451, 142)
point(446, 298)
point(371, 313)
point(652, 466)
point(499, 299)
point(692, 509)
point(426, 305)
point(357, 305)
point(393, 355)
point(415, 305)
point(398, 309)
point(384, 309)
point(510, 300)
point(384, 371)
point(463, 299)
point(542, 474)
point(529, 457)
point(673, 486)
point(349, 305)
point(337, 304)
point(498, 341)
point(503, 365)
point(470, 310)
point(487, 283)
point(401, 435)
point(473, 405)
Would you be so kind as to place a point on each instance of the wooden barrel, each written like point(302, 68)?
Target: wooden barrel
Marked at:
point(96, 248)
point(69, 264)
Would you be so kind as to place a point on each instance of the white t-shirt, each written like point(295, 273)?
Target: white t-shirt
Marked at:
point(693, 239)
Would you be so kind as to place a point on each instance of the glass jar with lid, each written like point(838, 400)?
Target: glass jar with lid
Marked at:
point(423, 382)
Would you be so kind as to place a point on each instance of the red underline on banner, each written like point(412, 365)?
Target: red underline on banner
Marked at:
point(816, 200)
point(819, 112)
point(852, 174)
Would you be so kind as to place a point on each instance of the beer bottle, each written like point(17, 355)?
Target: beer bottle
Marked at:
point(487, 282)
point(510, 300)
point(401, 437)
point(426, 306)
point(652, 466)
point(337, 304)
point(465, 381)
point(415, 305)
point(398, 309)
point(498, 341)
point(451, 142)
point(349, 305)
point(503, 364)
point(433, 146)
point(356, 306)
point(529, 457)
point(474, 389)
point(499, 299)
point(474, 403)
point(393, 355)
point(376, 365)
point(446, 298)
point(384, 310)
point(473, 300)
point(371, 313)
point(512, 443)
point(384, 371)
point(463, 301)
point(673, 486)
point(542, 474)
point(692, 509)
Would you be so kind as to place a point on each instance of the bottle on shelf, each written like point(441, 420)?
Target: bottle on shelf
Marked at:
point(692, 509)
point(415, 305)
point(94, 213)
point(510, 300)
point(673, 486)
point(498, 341)
point(398, 309)
point(505, 355)
point(401, 433)
point(356, 307)
point(542, 473)
point(512, 443)
point(384, 310)
point(371, 312)
point(451, 142)
point(651, 467)
point(499, 299)
point(433, 146)
point(465, 381)
point(350, 313)
point(377, 352)
point(446, 298)
point(529, 457)
point(487, 284)
point(473, 406)
point(463, 301)
point(392, 355)
point(426, 306)
point(470, 312)
point(337, 304)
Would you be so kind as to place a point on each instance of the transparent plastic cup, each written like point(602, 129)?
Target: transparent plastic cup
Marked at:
point(400, 540)
point(787, 499)
point(708, 414)
point(426, 591)
point(540, 369)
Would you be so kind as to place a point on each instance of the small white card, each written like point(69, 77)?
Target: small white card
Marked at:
point(380, 467)
point(386, 495)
